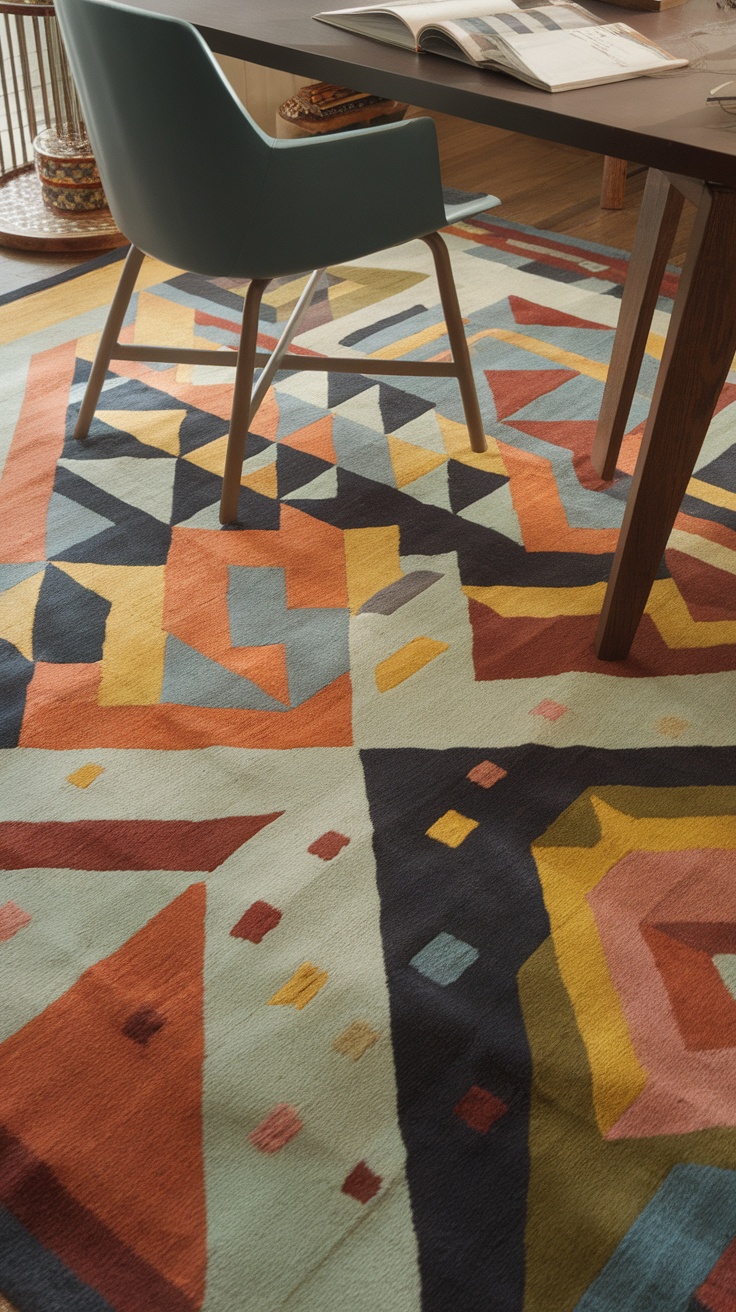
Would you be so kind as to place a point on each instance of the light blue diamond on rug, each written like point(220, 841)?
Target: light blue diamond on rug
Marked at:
point(444, 959)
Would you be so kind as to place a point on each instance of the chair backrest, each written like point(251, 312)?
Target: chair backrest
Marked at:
point(181, 161)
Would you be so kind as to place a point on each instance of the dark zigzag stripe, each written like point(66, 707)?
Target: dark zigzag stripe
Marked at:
point(360, 334)
point(485, 556)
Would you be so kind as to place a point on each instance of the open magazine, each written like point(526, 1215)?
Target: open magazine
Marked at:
point(557, 46)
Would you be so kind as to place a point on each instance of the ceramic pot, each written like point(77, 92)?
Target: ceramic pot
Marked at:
point(70, 183)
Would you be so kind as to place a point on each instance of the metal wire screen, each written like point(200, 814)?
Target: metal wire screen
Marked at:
point(36, 89)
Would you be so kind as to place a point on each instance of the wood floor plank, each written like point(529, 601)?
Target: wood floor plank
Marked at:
point(544, 184)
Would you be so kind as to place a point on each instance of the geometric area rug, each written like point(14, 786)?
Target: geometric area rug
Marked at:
point(365, 943)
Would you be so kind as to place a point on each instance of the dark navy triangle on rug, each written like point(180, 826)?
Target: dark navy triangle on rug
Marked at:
point(194, 490)
point(343, 387)
point(399, 408)
point(135, 538)
point(466, 485)
point(294, 469)
point(69, 621)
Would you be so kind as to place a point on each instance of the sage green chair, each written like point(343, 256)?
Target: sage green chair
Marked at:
point(194, 182)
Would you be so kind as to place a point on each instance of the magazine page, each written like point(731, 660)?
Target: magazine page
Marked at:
point(400, 23)
point(477, 38)
point(583, 56)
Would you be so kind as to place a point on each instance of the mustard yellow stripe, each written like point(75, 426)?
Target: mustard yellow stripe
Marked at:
point(567, 875)
point(407, 661)
point(540, 603)
point(580, 363)
point(287, 293)
point(43, 309)
point(677, 626)
point(464, 225)
point(346, 288)
point(408, 344)
point(167, 323)
point(619, 1075)
point(717, 496)
point(662, 833)
point(655, 345)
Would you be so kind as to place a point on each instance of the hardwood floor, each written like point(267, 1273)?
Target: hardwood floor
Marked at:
point(541, 183)
point(19, 268)
point(547, 185)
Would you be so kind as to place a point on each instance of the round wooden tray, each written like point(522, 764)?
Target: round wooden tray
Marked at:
point(28, 225)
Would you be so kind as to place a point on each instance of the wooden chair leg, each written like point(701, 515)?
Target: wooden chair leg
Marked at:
point(658, 218)
point(458, 341)
point(613, 183)
point(108, 340)
point(242, 402)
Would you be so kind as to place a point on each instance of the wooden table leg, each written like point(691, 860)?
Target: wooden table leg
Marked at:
point(698, 354)
point(660, 212)
point(613, 183)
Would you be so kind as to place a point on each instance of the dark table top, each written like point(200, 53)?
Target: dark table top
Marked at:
point(660, 121)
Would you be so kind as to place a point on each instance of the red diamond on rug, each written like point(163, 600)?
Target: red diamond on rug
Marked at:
point(486, 774)
point(282, 1124)
point(362, 1183)
point(480, 1109)
point(549, 709)
point(328, 845)
point(256, 922)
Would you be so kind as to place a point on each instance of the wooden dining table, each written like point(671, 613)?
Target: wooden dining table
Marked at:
point(660, 121)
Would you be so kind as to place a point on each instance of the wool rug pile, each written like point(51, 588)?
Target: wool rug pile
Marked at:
point(364, 942)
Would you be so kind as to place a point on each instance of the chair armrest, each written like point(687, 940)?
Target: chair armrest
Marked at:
point(334, 198)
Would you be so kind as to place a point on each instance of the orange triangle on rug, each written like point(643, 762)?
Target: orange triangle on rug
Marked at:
point(529, 312)
point(104, 1089)
point(315, 440)
point(266, 667)
point(514, 388)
